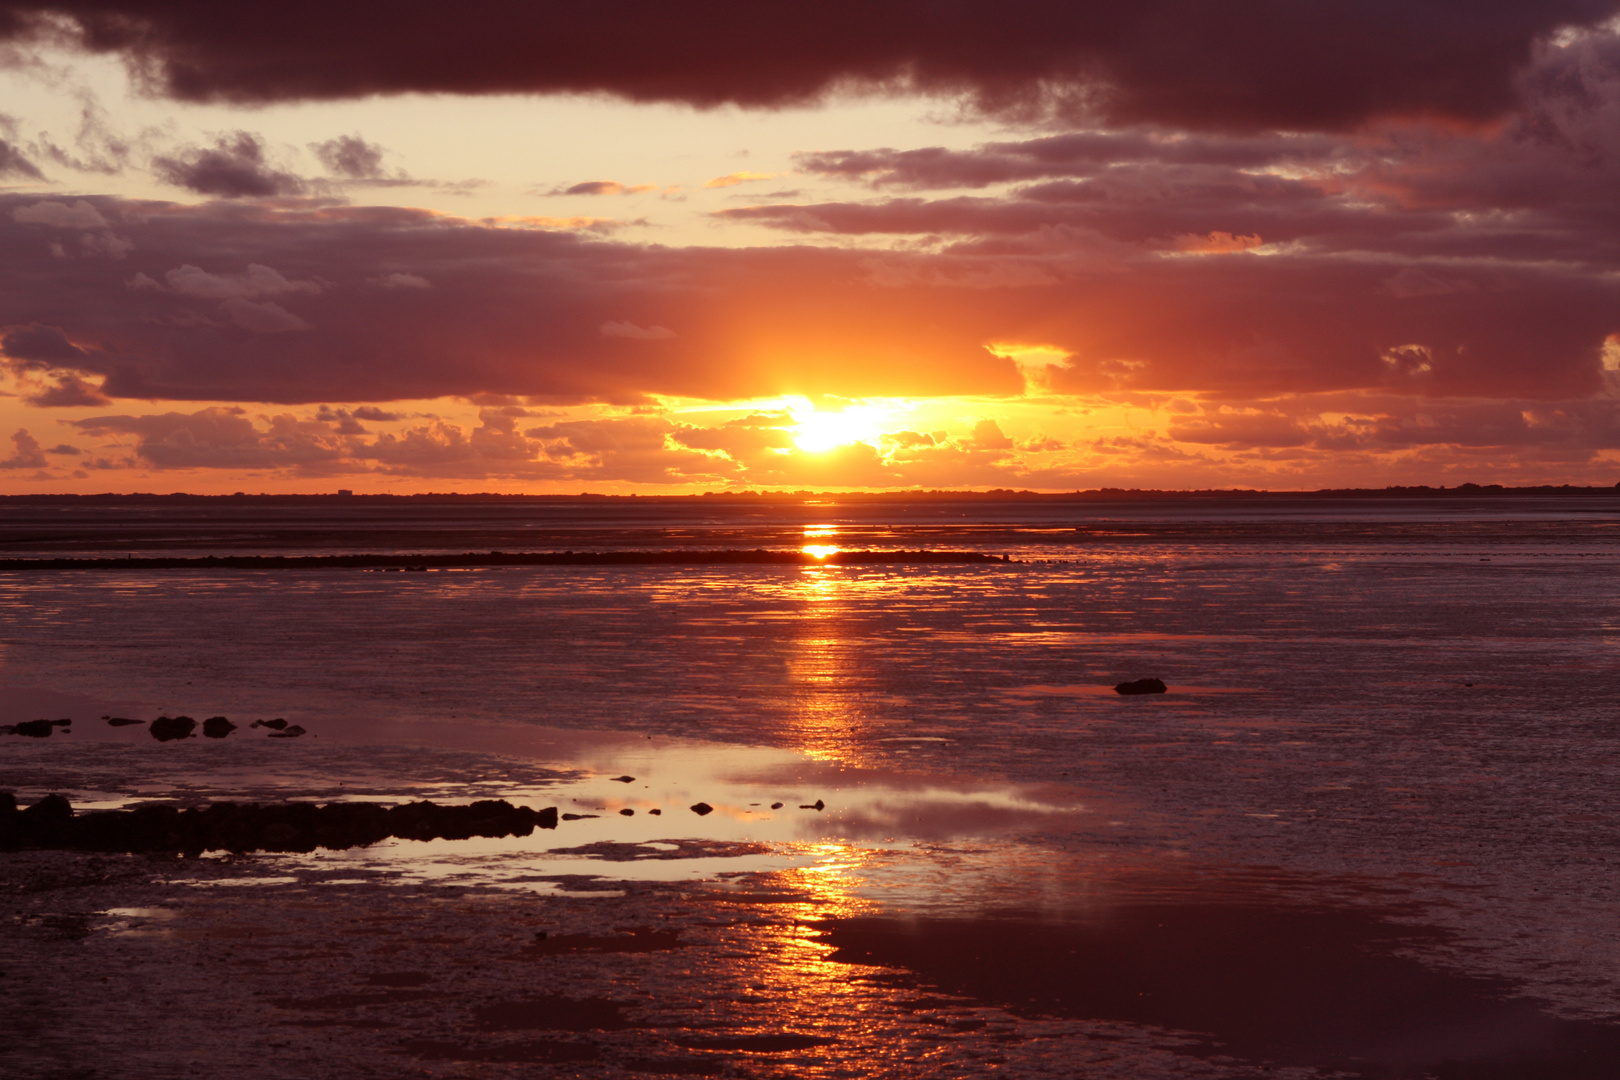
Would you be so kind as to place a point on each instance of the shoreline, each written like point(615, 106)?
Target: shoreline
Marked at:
point(719, 557)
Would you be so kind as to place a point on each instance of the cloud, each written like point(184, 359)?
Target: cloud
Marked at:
point(69, 391)
point(398, 280)
point(1252, 65)
point(350, 157)
point(14, 163)
point(235, 167)
point(635, 333)
point(224, 438)
point(604, 187)
point(27, 453)
point(733, 179)
point(40, 346)
point(242, 301)
point(77, 215)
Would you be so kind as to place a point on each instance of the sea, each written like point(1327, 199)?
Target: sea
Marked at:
point(1370, 828)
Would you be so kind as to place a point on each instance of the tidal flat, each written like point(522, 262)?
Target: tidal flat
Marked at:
point(1367, 831)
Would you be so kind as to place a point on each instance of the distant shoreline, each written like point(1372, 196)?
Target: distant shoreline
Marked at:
point(722, 557)
point(1460, 491)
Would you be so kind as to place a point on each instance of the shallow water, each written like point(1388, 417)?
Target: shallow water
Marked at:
point(1408, 716)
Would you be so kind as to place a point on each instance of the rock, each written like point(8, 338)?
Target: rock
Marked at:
point(291, 731)
point(121, 721)
point(655, 812)
point(217, 727)
point(578, 817)
point(547, 818)
point(35, 729)
point(627, 812)
point(702, 808)
point(776, 806)
point(165, 728)
point(817, 806)
point(8, 803)
point(1141, 686)
point(54, 808)
point(275, 725)
point(62, 723)
point(623, 779)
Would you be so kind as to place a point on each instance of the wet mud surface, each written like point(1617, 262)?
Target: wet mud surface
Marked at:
point(156, 966)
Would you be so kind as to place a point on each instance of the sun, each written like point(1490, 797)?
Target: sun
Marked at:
point(818, 430)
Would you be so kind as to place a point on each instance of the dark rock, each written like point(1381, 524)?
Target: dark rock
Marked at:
point(275, 725)
point(62, 723)
point(547, 818)
point(776, 806)
point(1141, 686)
point(217, 727)
point(165, 728)
point(817, 806)
point(627, 812)
point(579, 817)
point(54, 808)
point(655, 812)
point(624, 779)
point(8, 803)
point(702, 808)
point(35, 729)
point(121, 721)
point(291, 731)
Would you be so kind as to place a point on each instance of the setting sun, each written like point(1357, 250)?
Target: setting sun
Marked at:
point(819, 430)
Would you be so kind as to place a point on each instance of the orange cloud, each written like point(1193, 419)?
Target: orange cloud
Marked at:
point(733, 179)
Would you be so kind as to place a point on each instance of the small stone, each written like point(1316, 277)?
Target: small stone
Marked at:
point(578, 817)
point(776, 806)
point(702, 808)
point(292, 731)
point(655, 812)
point(62, 723)
point(817, 806)
point(121, 721)
point(623, 779)
point(275, 725)
point(1141, 686)
point(627, 812)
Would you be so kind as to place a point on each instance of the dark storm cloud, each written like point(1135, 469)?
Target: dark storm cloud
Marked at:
point(1539, 187)
point(1212, 64)
point(244, 302)
point(309, 302)
point(236, 166)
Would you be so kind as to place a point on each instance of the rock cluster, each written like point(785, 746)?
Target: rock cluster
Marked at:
point(163, 729)
point(37, 729)
point(245, 827)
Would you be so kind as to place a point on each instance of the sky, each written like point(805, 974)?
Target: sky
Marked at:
point(668, 248)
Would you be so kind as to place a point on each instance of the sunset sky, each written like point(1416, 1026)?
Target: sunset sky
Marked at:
point(661, 247)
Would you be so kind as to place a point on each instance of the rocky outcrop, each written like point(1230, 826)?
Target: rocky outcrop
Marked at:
point(246, 827)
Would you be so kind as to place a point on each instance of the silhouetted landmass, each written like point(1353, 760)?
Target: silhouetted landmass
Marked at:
point(503, 558)
point(245, 827)
point(1472, 491)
